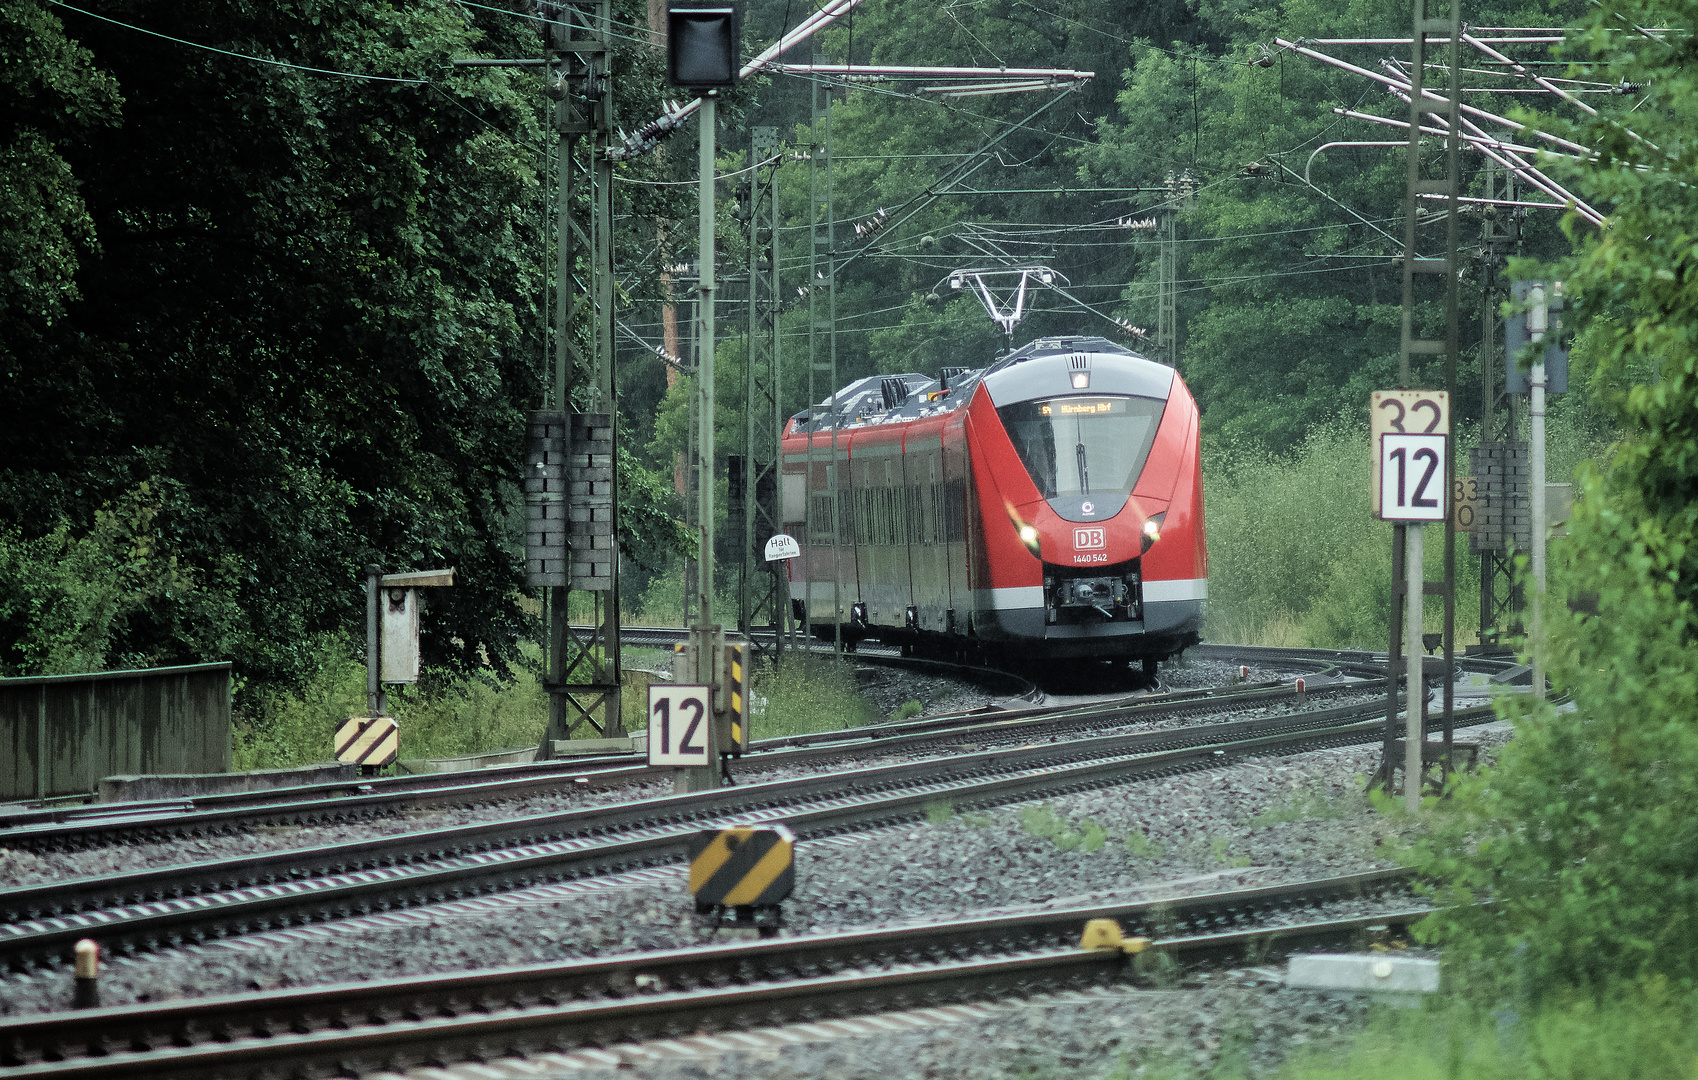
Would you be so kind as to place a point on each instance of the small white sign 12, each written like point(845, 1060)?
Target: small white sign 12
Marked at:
point(1413, 480)
point(679, 719)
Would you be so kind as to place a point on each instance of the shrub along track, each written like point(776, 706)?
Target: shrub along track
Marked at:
point(478, 1015)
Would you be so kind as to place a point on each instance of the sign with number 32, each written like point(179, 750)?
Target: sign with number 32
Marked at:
point(1404, 412)
point(678, 724)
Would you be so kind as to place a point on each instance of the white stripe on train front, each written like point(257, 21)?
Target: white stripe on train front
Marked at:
point(1024, 596)
point(1160, 592)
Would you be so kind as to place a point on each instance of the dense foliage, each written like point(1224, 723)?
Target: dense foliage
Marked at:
point(1586, 834)
point(261, 325)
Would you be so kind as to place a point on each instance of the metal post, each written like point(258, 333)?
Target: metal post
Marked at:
point(374, 689)
point(704, 361)
point(1416, 186)
point(706, 648)
point(1452, 347)
point(1415, 706)
point(1167, 301)
point(762, 596)
point(583, 664)
point(1537, 321)
point(1394, 648)
point(1488, 381)
point(822, 339)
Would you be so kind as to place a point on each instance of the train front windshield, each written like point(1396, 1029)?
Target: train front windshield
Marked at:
point(1084, 444)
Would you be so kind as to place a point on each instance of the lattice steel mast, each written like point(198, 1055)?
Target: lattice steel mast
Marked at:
point(574, 442)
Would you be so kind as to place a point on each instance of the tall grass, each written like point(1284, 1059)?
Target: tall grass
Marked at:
point(1645, 1032)
point(447, 718)
point(1297, 557)
point(809, 693)
point(452, 718)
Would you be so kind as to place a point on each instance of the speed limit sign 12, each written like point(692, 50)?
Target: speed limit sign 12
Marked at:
point(1413, 482)
point(679, 724)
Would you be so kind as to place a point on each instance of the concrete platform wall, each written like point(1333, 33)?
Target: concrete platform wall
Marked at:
point(62, 734)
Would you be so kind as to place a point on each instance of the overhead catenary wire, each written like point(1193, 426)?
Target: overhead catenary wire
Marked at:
point(242, 56)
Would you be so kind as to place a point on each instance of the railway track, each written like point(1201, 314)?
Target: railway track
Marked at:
point(317, 804)
point(146, 910)
point(72, 828)
point(418, 1020)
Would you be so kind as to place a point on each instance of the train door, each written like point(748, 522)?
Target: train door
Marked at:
point(928, 575)
point(957, 497)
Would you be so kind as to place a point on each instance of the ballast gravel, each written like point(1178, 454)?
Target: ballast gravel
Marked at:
point(1259, 822)
point(24, 868)
point(1233, 1023)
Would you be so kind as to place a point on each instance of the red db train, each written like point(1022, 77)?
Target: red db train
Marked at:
point(1049, 505)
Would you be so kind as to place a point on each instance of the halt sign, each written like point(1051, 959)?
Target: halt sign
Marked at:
point(782, 546)
point(679, 718)
point(1412, 477)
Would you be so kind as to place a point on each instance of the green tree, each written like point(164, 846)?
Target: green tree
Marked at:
point(311, 314)
point(51, 95)
point(1586, 833)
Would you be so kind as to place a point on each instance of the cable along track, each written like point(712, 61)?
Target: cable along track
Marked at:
point(172, 906)
point(429, 1019)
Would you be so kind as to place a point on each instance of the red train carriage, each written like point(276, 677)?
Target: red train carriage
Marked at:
point(1049, 505)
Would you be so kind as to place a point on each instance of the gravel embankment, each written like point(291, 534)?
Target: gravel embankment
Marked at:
point(1234, 1023)
point(1253, 823)
point(22, 868)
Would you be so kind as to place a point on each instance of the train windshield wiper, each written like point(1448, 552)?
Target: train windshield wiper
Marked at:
point(1079, 456)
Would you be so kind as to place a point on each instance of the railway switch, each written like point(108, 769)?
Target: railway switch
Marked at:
point(746, 871)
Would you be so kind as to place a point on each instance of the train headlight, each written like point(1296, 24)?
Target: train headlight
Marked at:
point(1152, 529)
point(1029, 537)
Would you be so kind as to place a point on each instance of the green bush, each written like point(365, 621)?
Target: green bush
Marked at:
point(116, 595)
point(1585, 835)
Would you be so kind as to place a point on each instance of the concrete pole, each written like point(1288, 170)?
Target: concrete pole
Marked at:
point(1415, 711)
point(704, 649)
point(1538, 320)
point(704, 364)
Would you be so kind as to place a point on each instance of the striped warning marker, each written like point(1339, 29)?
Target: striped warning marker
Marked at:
point(736, 662)
point(368, 740)
point(742, 867)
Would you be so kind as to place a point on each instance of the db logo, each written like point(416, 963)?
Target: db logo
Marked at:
point(1087, 539)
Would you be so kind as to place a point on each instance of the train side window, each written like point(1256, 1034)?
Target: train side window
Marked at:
point(955, 511)
point(822, 523)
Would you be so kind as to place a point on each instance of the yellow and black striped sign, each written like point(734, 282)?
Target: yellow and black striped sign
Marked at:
point(744, 867)
point(368, 740)
point(737, 694)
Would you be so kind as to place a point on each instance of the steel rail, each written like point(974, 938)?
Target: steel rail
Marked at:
point(15, 819)
point(646, 833)
point(354, 801)
point(109, 890)
point(640, 993)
